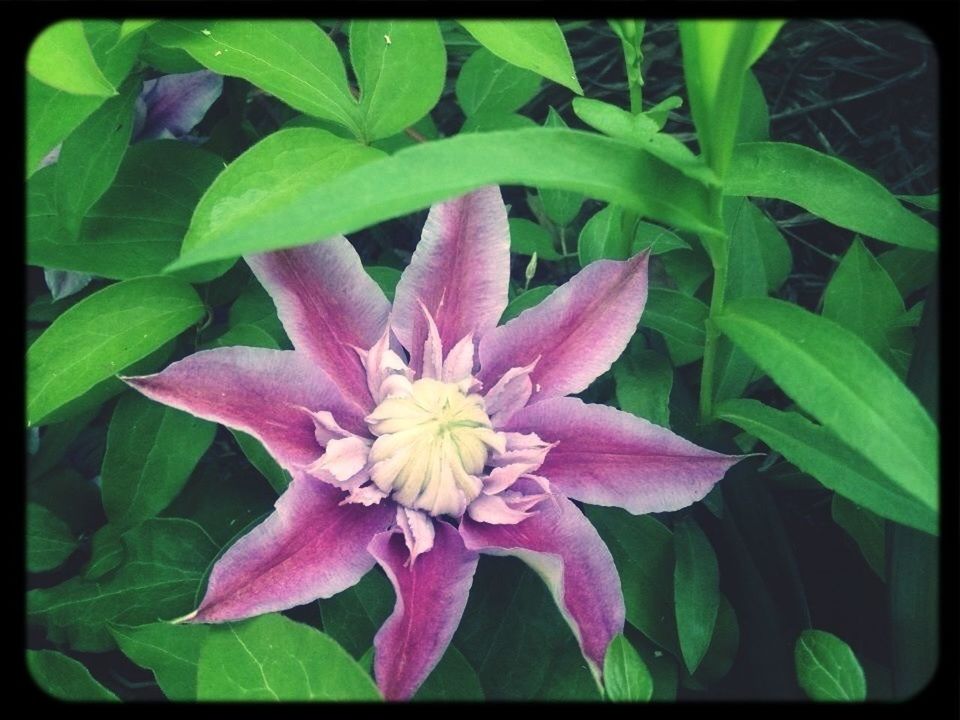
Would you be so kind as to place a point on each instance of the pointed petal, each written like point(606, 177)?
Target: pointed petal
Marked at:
point(310, 547)
point(431, 596)
point(512, 392)
point(328, 306)
point(577, 332)
point(262, 392)
point(563, 547)
point(605, 456)
point(460, 271)
point(418, 531)
point(174, 104)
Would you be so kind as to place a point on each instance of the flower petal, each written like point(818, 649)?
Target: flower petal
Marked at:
point(431, 596)
point(566, 551)
point(172, 105)
point(460, 271)
point(604, 456)
point(310, 547)
point(577, 332)
point(329, 307)
point(259, 391)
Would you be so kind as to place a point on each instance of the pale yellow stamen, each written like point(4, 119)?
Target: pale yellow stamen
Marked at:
point(432, 444)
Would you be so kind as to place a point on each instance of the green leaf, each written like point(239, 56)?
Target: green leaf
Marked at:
point(817, 451)
point(643, 383)
point(866, 529)
point(527, 238)
point(151, 451)
point(829, 188)
point(49, 540)
point(293, 60)
point(401, 66)
point(754, 122)
point(832, 374)
point(386, 277)
point(172, 652)
point(262, 205)
point(106, 553)
point(774, 250)
point(164, 561)
point(258, 456)
point(64, 678)
point(485, 121)
point(625, 675)
point(274, 658)
point(909, 269)
point(54, 442)
point(60, 56)
point(255, 307)
point(696, 581)
point(602, 237)
point(724, 645)
point(132, 27)
point(536, 45)
point(136, 228)
point(354, 616)
point(561, 207)
point(827, 669)
point(103, 334)
point(525, 301)
point(680, 319)
point(453, 679)
point(487, 83)
point(925, 202)
point(688, 270)
point(915, 610)
point(658, 240)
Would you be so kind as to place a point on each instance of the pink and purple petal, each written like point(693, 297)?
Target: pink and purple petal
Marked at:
point(563, 547)
point(312, 546)
point(170, 106)
point(604, 456)
point(460, 271)
point(329, 307)
point(576, 333)
point(431, 595)
point(265, 393)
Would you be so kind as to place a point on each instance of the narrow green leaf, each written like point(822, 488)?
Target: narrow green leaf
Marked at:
point(817, 451)
point(487, 83)
point(680, 319)
point(696, 580)
point(829, 188)
point(274, 658)
point(915, 610)
point(721, 654)
point(400, 66)
point(172, 652)
point(832, 374)
point(625, 675)
point(49, 540)
point(561, 207)
point(60, 56)
point(754, 122)
point(260, 205)
point(827, 669)
point(151, 451)
point(925, 202)
point(866, 529)
point(103, 334)
point(64, 678)
point(536, 45)
point(525, 301)
point(909, 269)
point(643, 383)
point(453, 679)
point(774, 250)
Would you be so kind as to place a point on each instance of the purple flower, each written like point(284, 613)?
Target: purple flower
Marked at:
point(420, 435)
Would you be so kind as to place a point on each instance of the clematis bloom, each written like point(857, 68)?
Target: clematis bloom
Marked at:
point(422, 435)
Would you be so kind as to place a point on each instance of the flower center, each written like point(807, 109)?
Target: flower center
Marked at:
point(432, 444)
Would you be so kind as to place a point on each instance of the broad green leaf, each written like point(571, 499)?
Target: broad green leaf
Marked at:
point(866, 529)
point(401, 66)
point(170, 651)
point(657, 239)
point(774, 250)
point(70, 496)
point(827, 669)
point(257, 210)
point(132, 27)
point(255, 307)
point(625, 675)
point(354, 616)
point(723, 648)
point(643, 382)
point(136, 228)
point(527, 238)
point(453, 679)
point(106, 553)
point(386, 277)
point(833, 375)
point(258, 456)
point(151, 451)
point(909, 269)
point(525, 301)
point(91, 157)
point(103, 334)
point(696, 583)
point(754, 122)
point(561, 207)
point(484, 121)
point(64, 678)
point(688, 270)
point(54, 442)
point(244, 335)
point(602, 237)
point(817, 451)
point(716, 57)
point(536, 45)
point(164, 561)
point(60, 56)
point(293, 60)
point(680, 319)
point(274, 658)
point(487, 83)
point(829, 188)
point(49, 540)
